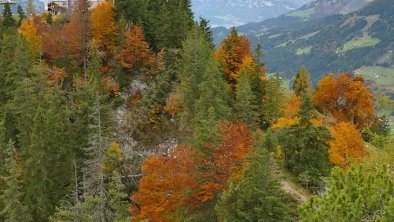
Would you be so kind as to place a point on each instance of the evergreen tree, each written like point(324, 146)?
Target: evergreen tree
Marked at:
point(305, 147)
point(118, 199)
point(8, 20)
point(302, 83)
point(14, 210)
point(15, 64)
point(245, 106)
point(190, 68)
point(49, 19)
point(257, 196)
point(352, 196)
point(213, 104)
point(21, 15)
point(93, 171)
point(207, 31)
point(44, 134)
point(272, 101)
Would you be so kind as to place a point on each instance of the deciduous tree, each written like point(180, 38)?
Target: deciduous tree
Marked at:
point(231, 54)
point(346, 97)
point(347, 145)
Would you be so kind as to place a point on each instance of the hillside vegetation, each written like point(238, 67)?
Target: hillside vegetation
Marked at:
point(128, 112)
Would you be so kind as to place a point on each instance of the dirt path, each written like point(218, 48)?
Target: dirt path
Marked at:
point(290, 188)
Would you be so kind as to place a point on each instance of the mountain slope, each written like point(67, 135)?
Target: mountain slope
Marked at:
point(339, 43)
point(229, 13)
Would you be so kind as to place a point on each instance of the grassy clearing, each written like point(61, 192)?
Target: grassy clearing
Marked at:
point(303, 51)
point(310, 35)
point(274, 36)
point(286, 83)
point(302, 13)
point(381, 75)
point(360, 43)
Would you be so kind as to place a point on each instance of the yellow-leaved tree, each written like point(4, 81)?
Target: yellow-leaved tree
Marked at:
point(347, 145)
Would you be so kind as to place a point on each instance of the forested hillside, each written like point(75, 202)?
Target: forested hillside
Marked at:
point(127, 112)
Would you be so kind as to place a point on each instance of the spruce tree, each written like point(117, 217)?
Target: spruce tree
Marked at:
point(272, 101)
point(302, 83)
point(8, 20)
point(213, 104)
point(21, 15)
point(305, 147)
point(15, 65)
point(206, 30)
point(14, 210)
point(245, 106)
point(190, 68)
point(257, 196)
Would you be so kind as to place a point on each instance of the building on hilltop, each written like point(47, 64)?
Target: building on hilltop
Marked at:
point(62, 7)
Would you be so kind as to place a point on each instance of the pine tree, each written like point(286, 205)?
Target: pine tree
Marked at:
point(8, 20)
point(14, 210)
point(354, 195)
point(245, 107)
point(302, 83)
point(257, 196)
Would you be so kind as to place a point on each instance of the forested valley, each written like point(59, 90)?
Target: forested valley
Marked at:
point(126, 111)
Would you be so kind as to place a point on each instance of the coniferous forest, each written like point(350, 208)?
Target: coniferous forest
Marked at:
point(127, 112)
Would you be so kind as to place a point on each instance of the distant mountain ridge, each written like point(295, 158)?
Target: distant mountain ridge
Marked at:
point(337, 43)
point(229, 13)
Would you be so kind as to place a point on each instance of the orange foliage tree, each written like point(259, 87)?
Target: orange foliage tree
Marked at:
point(347, 145)
point(224, 162)
point(64, 41)
point(232, 53)
point(136, 53)
point(103, 26)
point(31, 30)
point(186, 178)
point(346, 98)
point(162, 189)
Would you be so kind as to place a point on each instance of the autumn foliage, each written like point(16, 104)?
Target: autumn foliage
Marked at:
point(162, 189)
point(347, 145)
point(186, 177)
point(103, 26)
point(232, 53)
point(225, 162)
point(31, 30)
point(346, 97)
point(136, 55)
